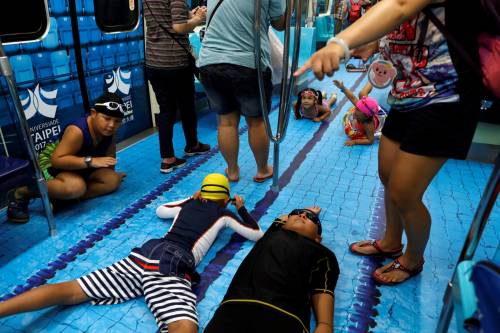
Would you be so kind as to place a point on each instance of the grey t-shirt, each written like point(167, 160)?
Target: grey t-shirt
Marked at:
point(230, 36)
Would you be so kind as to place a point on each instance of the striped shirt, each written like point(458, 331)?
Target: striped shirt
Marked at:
point(162, 51)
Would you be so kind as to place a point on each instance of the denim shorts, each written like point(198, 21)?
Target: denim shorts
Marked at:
point(233, 88)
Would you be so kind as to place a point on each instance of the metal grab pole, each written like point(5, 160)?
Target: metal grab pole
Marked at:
point(483, 211)
point(6, 70)
point(286, 84)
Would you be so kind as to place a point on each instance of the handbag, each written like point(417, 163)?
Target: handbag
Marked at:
point(191, 58)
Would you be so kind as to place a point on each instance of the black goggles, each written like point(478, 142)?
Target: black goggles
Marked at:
point(310, 215)
point(112, 109)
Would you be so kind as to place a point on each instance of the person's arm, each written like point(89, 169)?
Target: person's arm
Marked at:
point(323, 309)
point(171, 209)
point(247, 226)
point(197, 18)
point(366, 90)
point(369, 136)
point(348, 93)
point(324, 113)
point(111, 151)
point(381, 19)
point(64, 157)
point(278, 5)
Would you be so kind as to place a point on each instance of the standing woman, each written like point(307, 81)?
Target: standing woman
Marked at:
point(435, 102)
point(169, 70)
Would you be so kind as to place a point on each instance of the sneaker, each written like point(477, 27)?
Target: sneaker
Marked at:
point(17, 209)
point(169, 167)
point(200, 148)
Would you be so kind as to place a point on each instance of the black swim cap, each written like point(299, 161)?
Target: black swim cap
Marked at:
point(110, 104)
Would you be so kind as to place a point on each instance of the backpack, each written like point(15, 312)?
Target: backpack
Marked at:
point(485, 63)
point(354, 10)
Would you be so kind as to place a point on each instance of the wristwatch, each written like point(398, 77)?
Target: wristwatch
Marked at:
point(88, 161)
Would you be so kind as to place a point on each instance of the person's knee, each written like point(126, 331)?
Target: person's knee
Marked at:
point(112, 181)
point(255, 122)
point(383, 175)
point(182, 326)
point(74, 189)
point(229, 120)
point(403, 197)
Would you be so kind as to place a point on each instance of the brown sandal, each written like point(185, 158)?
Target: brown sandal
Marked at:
point(396, 265)
point(395, 253)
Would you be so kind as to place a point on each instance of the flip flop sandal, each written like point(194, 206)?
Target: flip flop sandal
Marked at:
point(396, 265)
point(380, 253)
point(262, 179)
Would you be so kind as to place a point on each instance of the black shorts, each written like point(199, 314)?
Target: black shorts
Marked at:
point(251, 318)
point(235, 88)
point(84, 173)
point(437, 130)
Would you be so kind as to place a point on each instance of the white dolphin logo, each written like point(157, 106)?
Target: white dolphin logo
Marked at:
point(117, 81)
point(35, 103)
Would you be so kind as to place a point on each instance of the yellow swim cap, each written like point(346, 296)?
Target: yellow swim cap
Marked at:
point(215, 187)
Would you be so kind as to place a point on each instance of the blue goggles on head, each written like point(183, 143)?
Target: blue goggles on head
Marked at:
point(310, 215)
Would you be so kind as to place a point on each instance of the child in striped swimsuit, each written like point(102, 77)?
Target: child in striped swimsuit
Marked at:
point(162, 270)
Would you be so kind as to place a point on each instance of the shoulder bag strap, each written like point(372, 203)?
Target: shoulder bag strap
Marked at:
point(212, 14)
point(166, 30)
point(453, 41)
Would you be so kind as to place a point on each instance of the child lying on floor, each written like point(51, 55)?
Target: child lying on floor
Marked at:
point(310, 105)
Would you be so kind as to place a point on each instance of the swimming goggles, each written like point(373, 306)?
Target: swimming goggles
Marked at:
point(112, 106)
point(310, 215)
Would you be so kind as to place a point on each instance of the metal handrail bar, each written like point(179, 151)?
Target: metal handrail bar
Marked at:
point(476, 229)
point(286, 83)
point(6, 70)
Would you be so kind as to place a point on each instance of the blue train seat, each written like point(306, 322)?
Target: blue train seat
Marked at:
point(95, 86)
point(22, 67)
point(141, 49)
point(79, 7)
point(11, 49)
point(13, 171)
point(42, 64)
point(324, 28)
point(72, 62)
point(85, 27)
point(94, 59)
point(58, 7)
point(133, 52)
point(32, 46)
point(108, 56)
point(88, 7)
point(95, 33)
point(122, 54)
point(138, 76)
point(65, 31)
point(51, 41)
point(65, 93)
point(108, 37)
point(60, 65)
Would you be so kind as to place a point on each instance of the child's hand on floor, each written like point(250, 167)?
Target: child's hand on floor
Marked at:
point(350, 143)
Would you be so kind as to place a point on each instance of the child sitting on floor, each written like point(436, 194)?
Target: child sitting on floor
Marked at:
point(362, 120)
point(310, 105)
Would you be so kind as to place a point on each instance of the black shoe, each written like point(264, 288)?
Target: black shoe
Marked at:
point(17, 209)
point(169, 167)
point(200, 148)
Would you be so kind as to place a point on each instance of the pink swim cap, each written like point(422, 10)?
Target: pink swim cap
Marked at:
point(368, 106)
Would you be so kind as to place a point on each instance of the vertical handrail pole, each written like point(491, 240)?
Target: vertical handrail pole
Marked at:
point(476, 229)
point(6, 70)
point(286, 84)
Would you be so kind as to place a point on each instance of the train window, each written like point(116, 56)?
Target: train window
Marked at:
point(23, 20)
point(116, 15)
